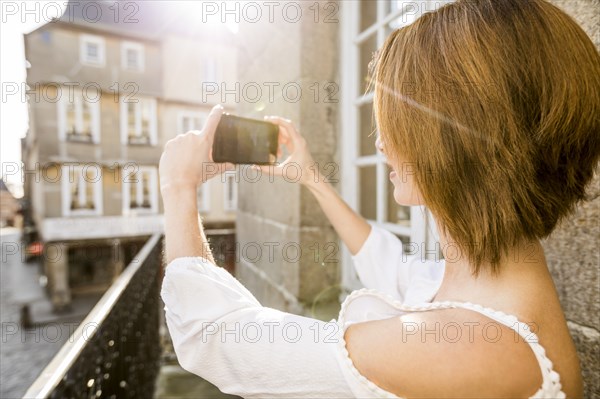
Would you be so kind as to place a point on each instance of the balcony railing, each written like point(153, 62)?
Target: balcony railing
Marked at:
point(115, 352)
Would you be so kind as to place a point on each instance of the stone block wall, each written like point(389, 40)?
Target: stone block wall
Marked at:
point(572, 251)
point(285, 243)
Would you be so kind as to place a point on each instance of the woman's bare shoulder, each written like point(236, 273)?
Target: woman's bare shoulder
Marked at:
point(444, 353)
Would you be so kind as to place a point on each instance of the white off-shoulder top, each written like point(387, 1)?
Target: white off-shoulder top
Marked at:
point(223, 334)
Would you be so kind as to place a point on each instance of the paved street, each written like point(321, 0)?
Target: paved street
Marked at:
point(23, 353)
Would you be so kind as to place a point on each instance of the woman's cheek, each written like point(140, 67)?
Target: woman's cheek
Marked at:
point(406, 192)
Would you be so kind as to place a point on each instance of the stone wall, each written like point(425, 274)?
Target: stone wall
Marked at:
point(572, 250)
point(284, 238)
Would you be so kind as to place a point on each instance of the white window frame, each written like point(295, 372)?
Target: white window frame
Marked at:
point(134, 178)
point(66, 195)
point(78, 100)
point(92, 39)
point(230, 205)
point(203, 198)
point(125, 100)
point(137, 47)
point(422, 228)
point(181, 129)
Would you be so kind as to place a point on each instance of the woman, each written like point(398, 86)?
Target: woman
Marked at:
point(495, 106)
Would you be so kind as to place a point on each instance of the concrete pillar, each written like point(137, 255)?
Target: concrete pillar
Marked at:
point(57, 266)
point(288, 254)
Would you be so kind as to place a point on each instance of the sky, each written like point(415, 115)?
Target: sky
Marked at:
point(17, 18)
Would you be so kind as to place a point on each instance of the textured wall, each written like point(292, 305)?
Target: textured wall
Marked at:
point(572, 250)
point(282, 214)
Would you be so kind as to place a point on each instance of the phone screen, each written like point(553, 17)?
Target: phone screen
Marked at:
point(245, 141)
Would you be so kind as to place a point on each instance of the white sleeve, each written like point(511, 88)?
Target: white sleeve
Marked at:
point(382, 264)
point(222, 333)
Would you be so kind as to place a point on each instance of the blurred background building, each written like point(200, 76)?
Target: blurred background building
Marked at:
point(104, 98)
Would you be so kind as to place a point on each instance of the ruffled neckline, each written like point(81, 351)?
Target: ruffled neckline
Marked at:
point(551, 386)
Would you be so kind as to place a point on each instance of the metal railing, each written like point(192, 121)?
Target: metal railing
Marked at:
point(115, 351)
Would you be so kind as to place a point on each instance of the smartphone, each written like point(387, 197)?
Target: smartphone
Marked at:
point(245, 141)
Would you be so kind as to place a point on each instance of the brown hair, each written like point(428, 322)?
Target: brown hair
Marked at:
point(496, 103)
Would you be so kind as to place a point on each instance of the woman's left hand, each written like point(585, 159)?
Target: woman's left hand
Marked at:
point(187, 160)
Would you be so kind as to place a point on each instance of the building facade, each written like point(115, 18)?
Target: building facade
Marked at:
point(104, 97)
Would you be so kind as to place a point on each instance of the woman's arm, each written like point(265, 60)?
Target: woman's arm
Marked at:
point(184, 235)
point(221, 333)
point(185, 163)
point(219, 329)
point(352, 228)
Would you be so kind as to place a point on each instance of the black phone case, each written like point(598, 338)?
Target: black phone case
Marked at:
point(228, 147)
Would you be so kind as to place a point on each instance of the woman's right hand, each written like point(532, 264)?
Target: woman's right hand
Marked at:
point(299, 165)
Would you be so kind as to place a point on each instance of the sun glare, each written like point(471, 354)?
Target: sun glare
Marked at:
point(213, 14)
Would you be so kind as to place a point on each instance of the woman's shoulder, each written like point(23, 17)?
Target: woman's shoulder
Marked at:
point(444, 350)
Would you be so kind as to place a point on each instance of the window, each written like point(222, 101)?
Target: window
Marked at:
point(140, 190)
point(138, 121)
point(203, 197)
point(79, 116)
point(92, 50)
point(366, 25)
point(132, 56)
point(190, 121)
point(81, 190)
point(230, 197)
